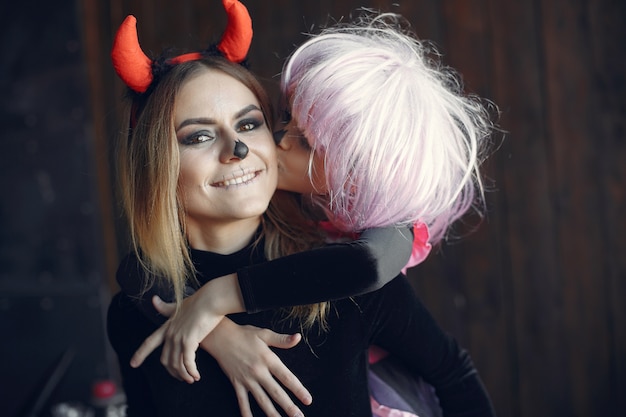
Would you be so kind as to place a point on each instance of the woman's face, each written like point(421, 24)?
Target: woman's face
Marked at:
point(299, 168)
point(212, 111)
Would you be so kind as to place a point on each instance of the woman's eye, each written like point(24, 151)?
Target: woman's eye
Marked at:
point(248, 125)
point(196, 138)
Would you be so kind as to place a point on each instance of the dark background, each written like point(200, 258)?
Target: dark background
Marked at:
point(536, 293)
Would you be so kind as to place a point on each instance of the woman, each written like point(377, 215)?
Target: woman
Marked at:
point(191, 213)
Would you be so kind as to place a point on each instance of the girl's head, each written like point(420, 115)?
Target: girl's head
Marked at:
point(392, 137)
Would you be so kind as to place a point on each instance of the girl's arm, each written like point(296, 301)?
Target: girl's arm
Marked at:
point(330, 272)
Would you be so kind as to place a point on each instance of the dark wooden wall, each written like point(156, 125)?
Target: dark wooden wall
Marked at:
point(52, 279)
point(536, 293)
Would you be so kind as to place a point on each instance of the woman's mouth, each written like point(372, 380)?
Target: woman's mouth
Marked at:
point(235, 180)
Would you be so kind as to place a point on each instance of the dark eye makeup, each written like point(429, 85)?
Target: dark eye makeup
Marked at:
point(195, 138)
point(249, 124)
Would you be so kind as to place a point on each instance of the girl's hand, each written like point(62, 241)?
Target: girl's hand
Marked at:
point(196, 318)
point(180, 335)
point(245, 357)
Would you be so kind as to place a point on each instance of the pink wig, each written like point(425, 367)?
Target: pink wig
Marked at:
point(401, 142)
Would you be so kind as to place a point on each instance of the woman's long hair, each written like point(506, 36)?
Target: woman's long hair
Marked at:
point(148, 170)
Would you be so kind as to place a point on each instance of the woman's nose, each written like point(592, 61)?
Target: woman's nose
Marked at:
point(241, 149)
point(233, 148)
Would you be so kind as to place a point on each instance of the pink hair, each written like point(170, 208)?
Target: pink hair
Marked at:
point(401, 142)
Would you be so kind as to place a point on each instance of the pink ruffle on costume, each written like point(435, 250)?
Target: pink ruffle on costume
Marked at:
point(379, 410)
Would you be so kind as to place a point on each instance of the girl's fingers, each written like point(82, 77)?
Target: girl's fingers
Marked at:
point(189, 364)
point(290, 382)
point(260, 395)
point(243, 400)
point(279, 340)
point(147, 347)
point(279, 370)
point(166, 309)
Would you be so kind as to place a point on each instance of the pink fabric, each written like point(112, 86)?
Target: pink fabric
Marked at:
point(376, 354)
point(421, 246)
point(379, 410)
point(335, 234)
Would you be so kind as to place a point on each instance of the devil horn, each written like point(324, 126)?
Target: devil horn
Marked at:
point(130, 62)
point(237, 37)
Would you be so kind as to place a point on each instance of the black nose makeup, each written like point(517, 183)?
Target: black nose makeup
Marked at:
point(241, 149)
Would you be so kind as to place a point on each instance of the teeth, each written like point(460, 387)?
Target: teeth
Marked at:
point(235, 181)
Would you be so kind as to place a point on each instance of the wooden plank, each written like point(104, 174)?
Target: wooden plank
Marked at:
point(607, 32)
point(97, 66)
point(277, 30)
point(531, 282)
point(467, 43)
point(576, 170)
point(426, 18)
point(474, 265)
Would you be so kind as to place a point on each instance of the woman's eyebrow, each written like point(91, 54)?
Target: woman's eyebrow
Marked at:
point(209, 121)
point(195, 121)
point(246, 110)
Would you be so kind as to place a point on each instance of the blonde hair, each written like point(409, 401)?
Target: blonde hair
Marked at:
point(148, 168)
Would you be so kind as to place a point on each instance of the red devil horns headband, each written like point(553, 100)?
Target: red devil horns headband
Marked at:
point(135, 68)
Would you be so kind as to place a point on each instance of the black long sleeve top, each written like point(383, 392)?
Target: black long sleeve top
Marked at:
point(331, 364)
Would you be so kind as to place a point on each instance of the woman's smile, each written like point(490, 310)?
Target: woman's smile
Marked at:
point(236, 179)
